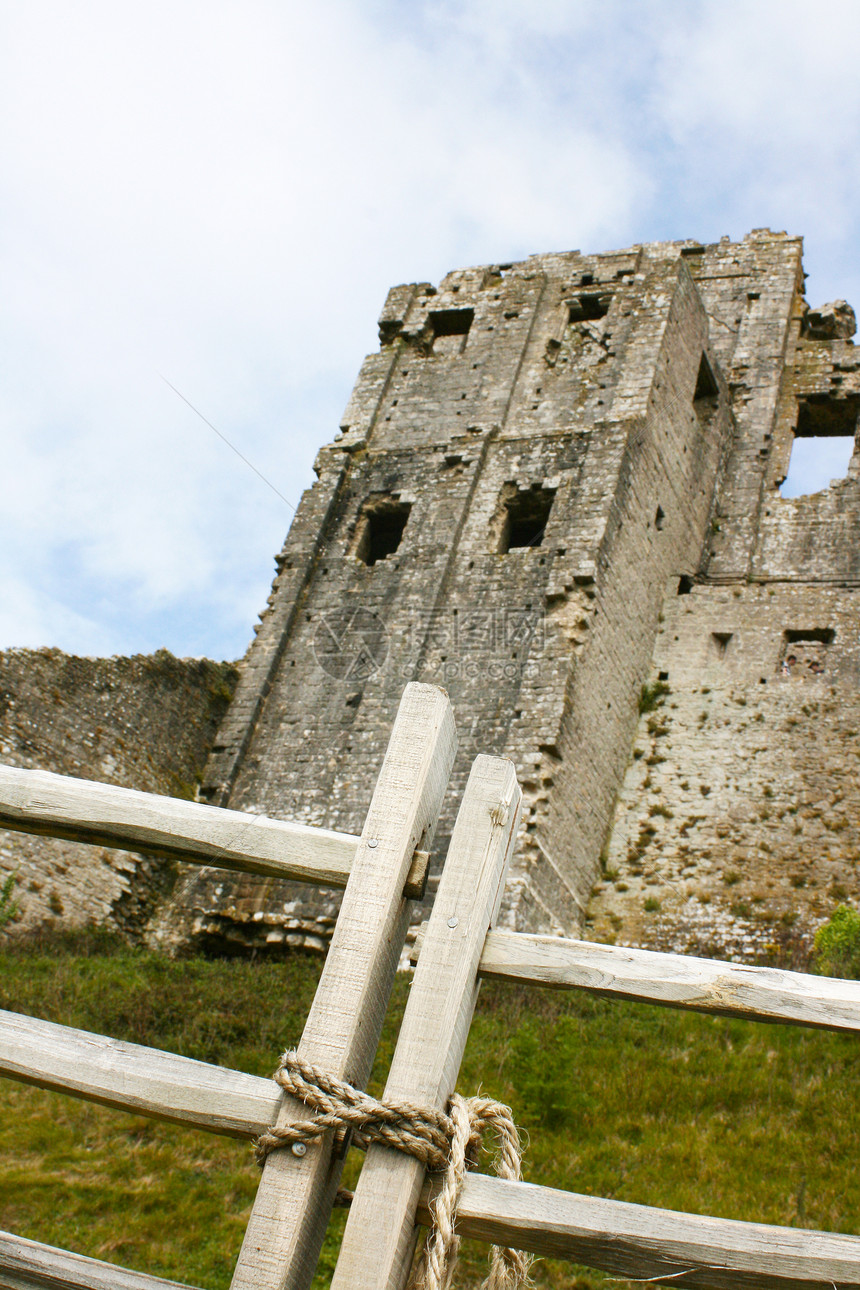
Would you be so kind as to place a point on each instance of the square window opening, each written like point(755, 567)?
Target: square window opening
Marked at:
point(451, 322)
point(588, 307)
point(823, 635)
point(824, 444)
point(804, 652)
point(525, 517)
point(824, 417)
point(450, 329)
point(380, 530)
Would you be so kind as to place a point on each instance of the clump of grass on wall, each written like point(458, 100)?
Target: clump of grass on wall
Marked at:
point(837, 945)
point(8, 905)
point(651, 696)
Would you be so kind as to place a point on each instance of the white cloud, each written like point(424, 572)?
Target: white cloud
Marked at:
point(30, 619)
point(762, 103)
point(224, 197)
point(223, 194)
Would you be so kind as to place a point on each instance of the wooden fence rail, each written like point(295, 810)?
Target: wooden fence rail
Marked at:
point(673, 980)
point(80, 810)
point(642, 1242)
point(30, 1265)
point(380, 871)
point(131, 1077)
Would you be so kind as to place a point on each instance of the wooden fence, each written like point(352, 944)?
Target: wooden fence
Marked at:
point(381, 871)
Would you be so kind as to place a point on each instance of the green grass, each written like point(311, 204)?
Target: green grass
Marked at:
point(837, 944)
point(651, 696)
point(639, 1103)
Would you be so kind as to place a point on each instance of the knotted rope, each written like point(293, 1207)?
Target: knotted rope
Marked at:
point(446, 1142)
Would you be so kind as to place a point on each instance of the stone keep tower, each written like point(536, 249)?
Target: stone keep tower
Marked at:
point(554, 484)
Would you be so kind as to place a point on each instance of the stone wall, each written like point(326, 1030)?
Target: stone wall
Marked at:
point(669, 454)
point(650, 397)
point(737, 830)
point(145, 722)
point(588, 382)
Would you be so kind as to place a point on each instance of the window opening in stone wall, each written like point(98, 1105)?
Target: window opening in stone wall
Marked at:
point(824, 443)
point(685, 585)
point(659, 517)
point(588, 307)
point(804, 652)
point(720, 644)
point(707, 389)
point(450, 329)
point(705, 395)
point(525, 517)
point(380, 529)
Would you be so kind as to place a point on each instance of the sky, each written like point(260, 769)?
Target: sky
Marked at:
point(215, 198)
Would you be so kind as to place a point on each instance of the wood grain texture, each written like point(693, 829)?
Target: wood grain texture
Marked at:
point(435, 1024)
point(294, 1200)
point(640, 1242)
point(29, 1265)
point(81, 810)
point(674, 980)
point(145, 1081)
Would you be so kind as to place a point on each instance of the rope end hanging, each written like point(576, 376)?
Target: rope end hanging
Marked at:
point(444, 1142)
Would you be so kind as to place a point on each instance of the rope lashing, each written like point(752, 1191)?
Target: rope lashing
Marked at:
point(445, 1142)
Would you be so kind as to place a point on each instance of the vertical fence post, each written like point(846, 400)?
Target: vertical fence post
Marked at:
point(294, 1199)
point(379, 1240)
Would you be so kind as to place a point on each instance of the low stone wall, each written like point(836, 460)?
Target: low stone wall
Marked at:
point(146, 722)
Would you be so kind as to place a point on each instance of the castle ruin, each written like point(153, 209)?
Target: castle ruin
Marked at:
point(555, 492)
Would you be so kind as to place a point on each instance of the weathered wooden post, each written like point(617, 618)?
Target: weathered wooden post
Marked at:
point(294, 1200)
point(379, 1241)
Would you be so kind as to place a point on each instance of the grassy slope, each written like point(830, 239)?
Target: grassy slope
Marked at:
point(643, 1104)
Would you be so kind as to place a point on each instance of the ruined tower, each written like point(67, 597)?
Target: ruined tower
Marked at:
point(555, 493)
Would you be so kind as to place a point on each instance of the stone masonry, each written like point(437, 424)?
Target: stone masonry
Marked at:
point(555, 492)
point(737, 829)
point(146, 722)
